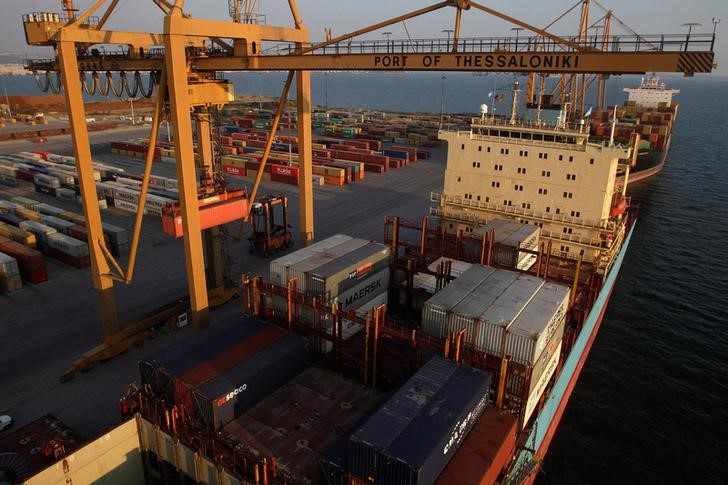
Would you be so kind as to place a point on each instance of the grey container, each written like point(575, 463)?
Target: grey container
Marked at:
point(303, 270)
point(348, 271)
point(8, 266)
point(435, 310)
point(516, 236)
point(279, 266)
point(466, 314)
point(504, 310)
point(414, 435)
point(117, 235)
point(49, 210)
point(41, 232)
point(541, 320)
point(61, 225)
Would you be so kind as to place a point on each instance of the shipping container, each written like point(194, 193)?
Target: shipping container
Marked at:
point(61, 225)
point(456, 267)
point(349, 270)
point(10, 219)
point(485, 452)
point(8, 265)
point(49, 210)
point(10, 283)
point(305, 269)
point(278, 267)
point(67, 244)
point(413, 436)
point(117, 235)
point(30, 262)
point(18, 235)
point(41, 232)
point(435, 310)
point(516, 237)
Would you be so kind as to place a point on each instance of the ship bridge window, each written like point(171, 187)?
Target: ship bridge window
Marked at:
point(516, 134)
point(561, 139)
point(561, 157)
point(504, 134)
point(493, 132)
point(537, 137)
point(558, 211)
point(572, 140)
point(571, 159)
point(549, 138)
point(462, 147)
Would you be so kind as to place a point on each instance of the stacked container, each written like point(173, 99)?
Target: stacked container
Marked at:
point(9, 274)
point(68, 250)
point(217, 375)
point(41, 232)
point(413, 436)
point(118, 239)
point(505, 313)
point(30, 262)
point(516, 237)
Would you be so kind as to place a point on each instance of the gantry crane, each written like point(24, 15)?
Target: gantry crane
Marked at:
point(186, 57)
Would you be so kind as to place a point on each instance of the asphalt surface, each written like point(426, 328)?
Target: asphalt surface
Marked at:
point(45, 327)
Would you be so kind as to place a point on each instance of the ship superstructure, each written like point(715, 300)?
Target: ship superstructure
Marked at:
point(550, 175)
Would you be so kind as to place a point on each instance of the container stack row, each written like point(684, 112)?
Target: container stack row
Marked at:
point(348, 272)
point(505, 313)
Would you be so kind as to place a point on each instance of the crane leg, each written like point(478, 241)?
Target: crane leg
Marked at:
point(175, 63)
point(305, 157)
point(77, 117)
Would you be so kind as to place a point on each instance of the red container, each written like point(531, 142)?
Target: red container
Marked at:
point(284, 170)
point(484, 452)
point(78, 263)
point(240, 172)
point(210, 215)
point(43, 154)
point(369, 167)
point(378, 159)
point(24, 175)
point(31, 263)
point(79, 232)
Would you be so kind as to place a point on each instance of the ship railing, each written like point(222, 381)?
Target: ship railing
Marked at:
point(695, 42)
point(578, 222)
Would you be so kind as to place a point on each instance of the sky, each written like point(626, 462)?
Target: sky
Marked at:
point(643, 16)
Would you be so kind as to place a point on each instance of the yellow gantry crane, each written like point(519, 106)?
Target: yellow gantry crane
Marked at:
point(184, 61)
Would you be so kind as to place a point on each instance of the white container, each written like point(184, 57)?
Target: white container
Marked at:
point(435, 311)
point(541, 320)
point(68, 245)
point(126, 206)
point(7, 206)
point(279, 266)
point(540, 385)
point(424, 281)
point(37, 228)
point(46, 180)
point(8, 265)
point(456, 267)
point(366, 290)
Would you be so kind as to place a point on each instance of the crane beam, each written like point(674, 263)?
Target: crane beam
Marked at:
point(565, 62)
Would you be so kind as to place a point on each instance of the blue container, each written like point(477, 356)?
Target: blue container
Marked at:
point(11, 219)
point(396, 154)
point(231, 129)
point(414, 435)
point(238, 389)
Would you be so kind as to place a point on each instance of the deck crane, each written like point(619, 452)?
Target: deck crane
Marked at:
point(185, 60)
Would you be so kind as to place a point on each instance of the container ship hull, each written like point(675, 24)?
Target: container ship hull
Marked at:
point(548, 419)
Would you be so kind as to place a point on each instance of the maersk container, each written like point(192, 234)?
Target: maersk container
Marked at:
point(414, 435)
point(68, 245)
point(348, 271)
point(435, 310)
point(466, 314)
point(61, 225)
point(504, 310)
point(279, 266)
point(538, 323)
point(364, 290)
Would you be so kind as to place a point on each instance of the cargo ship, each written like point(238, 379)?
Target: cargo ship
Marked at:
point(445, 353)
point(650, 112)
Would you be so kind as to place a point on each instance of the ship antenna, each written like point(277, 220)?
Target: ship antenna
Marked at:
point(614, 125)
point(514, 105)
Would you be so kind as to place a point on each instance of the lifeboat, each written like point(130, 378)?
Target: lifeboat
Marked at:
point(619, 205)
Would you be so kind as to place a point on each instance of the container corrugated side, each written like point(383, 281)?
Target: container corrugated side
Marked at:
point(303, 270)
point(436, 309)
point(540, 386)
point(59, 224)
point(505, 309)
point(456, 267)
point(67, 245)
point(346, 271)
point(544, 315)
point(466, 314)
point(278, 266)
point(242, 386)
point(388, 422)
point(423, 450)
